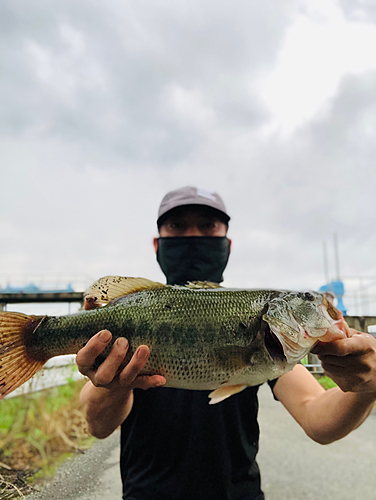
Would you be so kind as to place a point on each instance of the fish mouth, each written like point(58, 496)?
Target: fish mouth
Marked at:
point(272, 343)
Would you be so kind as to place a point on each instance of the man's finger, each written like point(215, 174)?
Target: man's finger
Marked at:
point(335, 348)
point(134, 367)
point(148, 382)
point(339, 361)
point(86, 356)
point(350, 368)
point(357, 344)
point(110, 366)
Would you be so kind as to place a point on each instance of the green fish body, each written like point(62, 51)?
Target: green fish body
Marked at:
point(199, 338)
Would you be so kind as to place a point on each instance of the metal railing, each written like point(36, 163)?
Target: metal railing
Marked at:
point(26, 298)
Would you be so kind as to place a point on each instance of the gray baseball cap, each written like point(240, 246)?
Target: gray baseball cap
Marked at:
point(189, 195)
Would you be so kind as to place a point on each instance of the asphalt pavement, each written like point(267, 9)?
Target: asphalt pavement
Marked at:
point(292, 466)
point(93, 475)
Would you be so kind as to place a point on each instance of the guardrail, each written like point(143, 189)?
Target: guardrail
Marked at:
point(24, 298)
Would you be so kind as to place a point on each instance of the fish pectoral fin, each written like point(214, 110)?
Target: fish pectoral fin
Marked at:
point(202, 284)
point(232, 357)
point(225, 392)
point(112, 287)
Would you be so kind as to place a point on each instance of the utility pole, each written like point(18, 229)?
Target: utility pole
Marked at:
point(336, 257)
point(326, 268)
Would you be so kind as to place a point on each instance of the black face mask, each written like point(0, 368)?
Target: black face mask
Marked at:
point(193, 258)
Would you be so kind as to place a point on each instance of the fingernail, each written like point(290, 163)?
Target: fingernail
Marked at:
point(122, 342)
point(143, 353)
point(105, 336)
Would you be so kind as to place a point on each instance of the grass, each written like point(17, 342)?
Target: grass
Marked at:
point(326, 382)
point(37, 432)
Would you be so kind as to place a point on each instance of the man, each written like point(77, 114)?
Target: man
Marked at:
point(173, 444)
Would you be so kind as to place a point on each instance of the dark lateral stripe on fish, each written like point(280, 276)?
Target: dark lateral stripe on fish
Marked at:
point(16, 364)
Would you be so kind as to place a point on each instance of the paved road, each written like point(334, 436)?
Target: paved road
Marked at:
point(91, 476)
point(292, 466)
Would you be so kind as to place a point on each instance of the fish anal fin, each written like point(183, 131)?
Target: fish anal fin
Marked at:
point(223, 393)
point(202, 284)
point(109, 288)
point(16, 365)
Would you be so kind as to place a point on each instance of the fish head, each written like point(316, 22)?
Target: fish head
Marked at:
point(298, 320)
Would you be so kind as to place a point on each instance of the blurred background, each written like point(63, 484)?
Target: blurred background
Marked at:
point(107, 106)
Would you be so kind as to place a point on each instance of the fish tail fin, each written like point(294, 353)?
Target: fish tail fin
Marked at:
point(16, 367)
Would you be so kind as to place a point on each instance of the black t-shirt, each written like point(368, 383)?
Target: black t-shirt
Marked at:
point(175, 446)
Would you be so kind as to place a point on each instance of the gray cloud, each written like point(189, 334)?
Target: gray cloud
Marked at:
point(359, 10)
point(106, 109)
point(299, 191)
point(105, 78)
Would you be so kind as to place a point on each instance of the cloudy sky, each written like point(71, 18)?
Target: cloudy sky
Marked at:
point(106, 106)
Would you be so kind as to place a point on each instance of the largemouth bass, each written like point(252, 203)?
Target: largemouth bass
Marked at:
point(201, 336)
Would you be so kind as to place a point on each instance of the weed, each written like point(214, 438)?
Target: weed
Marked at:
point(327, 382)
point(36, 429)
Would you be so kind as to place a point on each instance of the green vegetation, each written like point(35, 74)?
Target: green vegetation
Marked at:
point(327, 382)
point(38, 431)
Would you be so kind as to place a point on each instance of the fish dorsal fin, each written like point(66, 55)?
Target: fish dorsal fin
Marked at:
point(202, 284)
point(112, 287)
point(225, 392)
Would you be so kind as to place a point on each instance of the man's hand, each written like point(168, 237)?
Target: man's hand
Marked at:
point(350, 362)
point(108, 396)
point(106, 375)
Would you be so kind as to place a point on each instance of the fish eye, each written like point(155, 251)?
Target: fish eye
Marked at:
point(309, 296)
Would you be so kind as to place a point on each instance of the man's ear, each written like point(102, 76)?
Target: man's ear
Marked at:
point(230, 244)
point(155, 243)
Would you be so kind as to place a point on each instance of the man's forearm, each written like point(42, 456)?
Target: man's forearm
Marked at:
point(325, 416)
point(105, 410)
point(334, 414)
